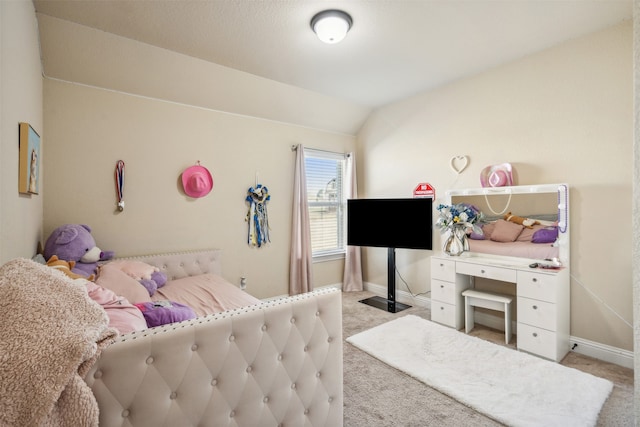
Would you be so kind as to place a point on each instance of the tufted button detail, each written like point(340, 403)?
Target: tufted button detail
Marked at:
point(125, 413)
point(266, 399)
point(293, 320)
point(317, 314)
point(306, 412)
point(232, 414)
point(149, 360)
point(214, 382)
point(173, 395)
point(194, 347)
point(279, 357)
point(264, 327)
point(182, 264)
point(305, 349)
point(232, 338)
point(293, 386)
point(330, 399)
point(317, 374)
point(97, 374)
point(329, 339)
point(249, 369)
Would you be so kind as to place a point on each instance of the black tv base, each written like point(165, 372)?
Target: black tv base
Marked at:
point(389, 304)
point(385, 304)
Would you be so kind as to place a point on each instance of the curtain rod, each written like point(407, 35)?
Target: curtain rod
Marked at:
point(295, 148)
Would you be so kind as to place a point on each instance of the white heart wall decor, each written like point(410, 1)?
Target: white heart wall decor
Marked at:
point(459, 163)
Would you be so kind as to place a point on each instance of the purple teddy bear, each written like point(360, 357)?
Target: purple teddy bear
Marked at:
point(74, 242)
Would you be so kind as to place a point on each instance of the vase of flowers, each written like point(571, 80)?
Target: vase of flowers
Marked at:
point(458, 219)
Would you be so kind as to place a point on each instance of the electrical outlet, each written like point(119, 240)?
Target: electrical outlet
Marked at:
point(243, 283)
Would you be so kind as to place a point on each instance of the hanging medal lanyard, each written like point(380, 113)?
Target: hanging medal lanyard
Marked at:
point(120, 184)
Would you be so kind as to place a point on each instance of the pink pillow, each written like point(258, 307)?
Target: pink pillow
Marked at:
point(111, 277)
point(506, 231)
point(136, 269)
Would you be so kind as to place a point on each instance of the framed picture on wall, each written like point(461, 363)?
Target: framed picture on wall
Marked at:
point(29, 168)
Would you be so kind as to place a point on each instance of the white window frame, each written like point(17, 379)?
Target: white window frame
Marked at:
point(331, 198)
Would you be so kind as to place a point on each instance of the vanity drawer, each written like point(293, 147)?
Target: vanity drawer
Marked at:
point(444, 291)
point(537, 341)
point(488, 272)
point(444, 314)
point(537, 313)
point(443, 269)
point(538, 286)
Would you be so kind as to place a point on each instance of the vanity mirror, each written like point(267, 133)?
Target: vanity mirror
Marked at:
point(547, 205)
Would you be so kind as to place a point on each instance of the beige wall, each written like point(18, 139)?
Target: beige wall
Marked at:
point(563, 115)
point(20, 101)
point(90, 129)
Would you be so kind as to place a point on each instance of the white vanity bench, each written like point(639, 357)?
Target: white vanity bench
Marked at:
point(542, 296)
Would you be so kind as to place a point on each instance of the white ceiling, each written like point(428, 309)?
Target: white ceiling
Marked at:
point(395, 49)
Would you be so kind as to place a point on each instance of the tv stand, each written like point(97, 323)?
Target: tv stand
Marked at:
point(389, 304)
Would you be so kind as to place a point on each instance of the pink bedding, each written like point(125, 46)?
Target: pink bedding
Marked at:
point(205, 294)
point(515, 249)
point(123, 315)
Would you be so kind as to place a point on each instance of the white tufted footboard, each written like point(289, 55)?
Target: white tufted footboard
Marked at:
point(275, 364)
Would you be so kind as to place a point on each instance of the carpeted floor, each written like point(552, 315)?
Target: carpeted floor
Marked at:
point(376, 394)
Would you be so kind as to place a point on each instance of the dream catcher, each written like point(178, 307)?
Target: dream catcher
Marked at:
point(257, 215)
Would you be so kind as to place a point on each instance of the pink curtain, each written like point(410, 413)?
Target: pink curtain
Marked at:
point(300, 272)
point(352, 280)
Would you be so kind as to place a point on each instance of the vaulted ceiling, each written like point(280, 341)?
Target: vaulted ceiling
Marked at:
point(395, 49)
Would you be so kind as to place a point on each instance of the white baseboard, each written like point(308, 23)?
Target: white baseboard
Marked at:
point(606, 353)
point(603, 352)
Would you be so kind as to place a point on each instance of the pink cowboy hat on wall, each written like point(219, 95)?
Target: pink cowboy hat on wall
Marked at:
point(197, 181)
point(497, 176)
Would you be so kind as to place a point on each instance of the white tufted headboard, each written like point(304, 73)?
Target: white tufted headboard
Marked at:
point(274, 364)
point(177, 265)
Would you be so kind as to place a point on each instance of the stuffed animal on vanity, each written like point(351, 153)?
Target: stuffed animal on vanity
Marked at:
point(66, 267)
point(527, 222)
point(147, 275)
point(74, 242)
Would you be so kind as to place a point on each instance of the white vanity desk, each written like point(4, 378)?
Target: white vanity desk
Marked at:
point(542, 303)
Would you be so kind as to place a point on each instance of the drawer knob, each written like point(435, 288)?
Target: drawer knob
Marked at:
point(535, 307)
point(442, 286)
point(535, 334)
point(534, 280)
point(482, 271)
point(441, 265)
point(441, 308)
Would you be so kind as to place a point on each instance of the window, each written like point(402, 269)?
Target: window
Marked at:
point(327, 202)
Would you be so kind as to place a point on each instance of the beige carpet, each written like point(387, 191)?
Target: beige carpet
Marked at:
point(376, 394)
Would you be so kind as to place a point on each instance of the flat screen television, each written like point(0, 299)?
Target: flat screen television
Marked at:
point(390, 223)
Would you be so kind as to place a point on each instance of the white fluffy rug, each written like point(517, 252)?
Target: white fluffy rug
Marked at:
point(509, 386)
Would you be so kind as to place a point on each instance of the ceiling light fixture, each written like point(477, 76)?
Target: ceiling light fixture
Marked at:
point(331, 26)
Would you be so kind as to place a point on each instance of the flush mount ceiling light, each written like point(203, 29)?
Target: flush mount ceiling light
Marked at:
point(331, 26)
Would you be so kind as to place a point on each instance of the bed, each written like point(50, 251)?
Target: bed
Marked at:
point(266, 363)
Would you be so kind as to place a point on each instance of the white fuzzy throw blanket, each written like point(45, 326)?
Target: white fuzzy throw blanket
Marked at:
point(51, 333)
